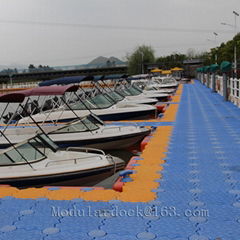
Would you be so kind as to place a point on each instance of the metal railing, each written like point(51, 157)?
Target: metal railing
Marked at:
point(233, 86)
point(5, 86)
point(234, 95)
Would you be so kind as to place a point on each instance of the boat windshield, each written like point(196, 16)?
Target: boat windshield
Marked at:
point(34, 149)
point(116, 96)
point(151, 87)
point(168, 80)
point(88, 123)
point(85, 105)
point(124, 92)
point(134, 91)
point(102, 102)
point(47, 142)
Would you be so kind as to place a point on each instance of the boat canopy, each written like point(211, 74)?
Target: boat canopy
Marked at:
point(99, 77)
point(115, 76)
point(78, 79)
point(19, 96)
point(66, 80)
point(49, 90)
point(15, 97)
point(132, 78)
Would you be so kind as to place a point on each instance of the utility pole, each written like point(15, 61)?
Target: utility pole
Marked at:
point(11, 78)
point(216, 56)
point(142, 67)
point(235, 43)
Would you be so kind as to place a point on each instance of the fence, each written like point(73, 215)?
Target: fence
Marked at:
point(233, 86)
point(6, 86)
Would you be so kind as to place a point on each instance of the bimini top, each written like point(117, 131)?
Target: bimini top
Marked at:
point(78, 79)
point(115, 76)
point(12, 97)
point(66, 80)
point(109, 77)
point(49, 90)
point(18, 97)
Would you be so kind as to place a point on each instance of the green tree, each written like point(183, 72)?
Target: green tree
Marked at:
point(142, 56)
point(225, 52)
point(31, 68)
point(171, 61)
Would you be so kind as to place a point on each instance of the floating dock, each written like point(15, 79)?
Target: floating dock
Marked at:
point(184, 186)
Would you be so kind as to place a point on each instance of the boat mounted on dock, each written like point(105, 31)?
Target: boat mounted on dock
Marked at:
point(88, 131)
point(101, 105)
point(38, 161)
point(131, 89)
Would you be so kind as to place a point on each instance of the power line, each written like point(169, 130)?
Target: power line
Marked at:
point(112, 27)
point(80, 57)
point(117, 51)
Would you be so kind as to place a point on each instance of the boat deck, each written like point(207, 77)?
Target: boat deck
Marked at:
point(185, 185)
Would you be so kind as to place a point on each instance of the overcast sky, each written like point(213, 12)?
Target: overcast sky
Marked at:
point(66, 32)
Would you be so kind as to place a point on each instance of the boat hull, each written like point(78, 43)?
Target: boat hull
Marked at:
point(77, 178)
point(109, 143)
point(137, 115)
point(104, 141)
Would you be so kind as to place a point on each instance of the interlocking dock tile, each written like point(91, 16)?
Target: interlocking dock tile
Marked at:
point(185, 187)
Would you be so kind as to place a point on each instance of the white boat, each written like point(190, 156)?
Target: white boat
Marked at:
point(135, 92)
point(125, 96)
point(90, 131)
point(157, 84)
point(38, 162)
point(166, 82)
point(87, 131)
point(100, 105)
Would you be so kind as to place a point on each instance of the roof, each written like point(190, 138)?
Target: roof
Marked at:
point(192, 61)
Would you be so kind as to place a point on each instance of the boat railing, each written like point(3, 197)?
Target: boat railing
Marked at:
point(74, 160)
point(117, 127)
point(86, 150)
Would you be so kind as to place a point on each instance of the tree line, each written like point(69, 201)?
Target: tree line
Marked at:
point(31, 68)
point(144, 56)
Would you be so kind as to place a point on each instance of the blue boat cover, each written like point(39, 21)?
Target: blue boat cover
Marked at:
point(78, 79)
point(115, 76)
point(66, 80)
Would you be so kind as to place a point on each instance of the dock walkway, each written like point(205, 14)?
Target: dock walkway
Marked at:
point(194, 195)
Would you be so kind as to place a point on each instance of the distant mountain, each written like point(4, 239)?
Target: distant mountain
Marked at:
point(106, 62)
point(98, 60)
